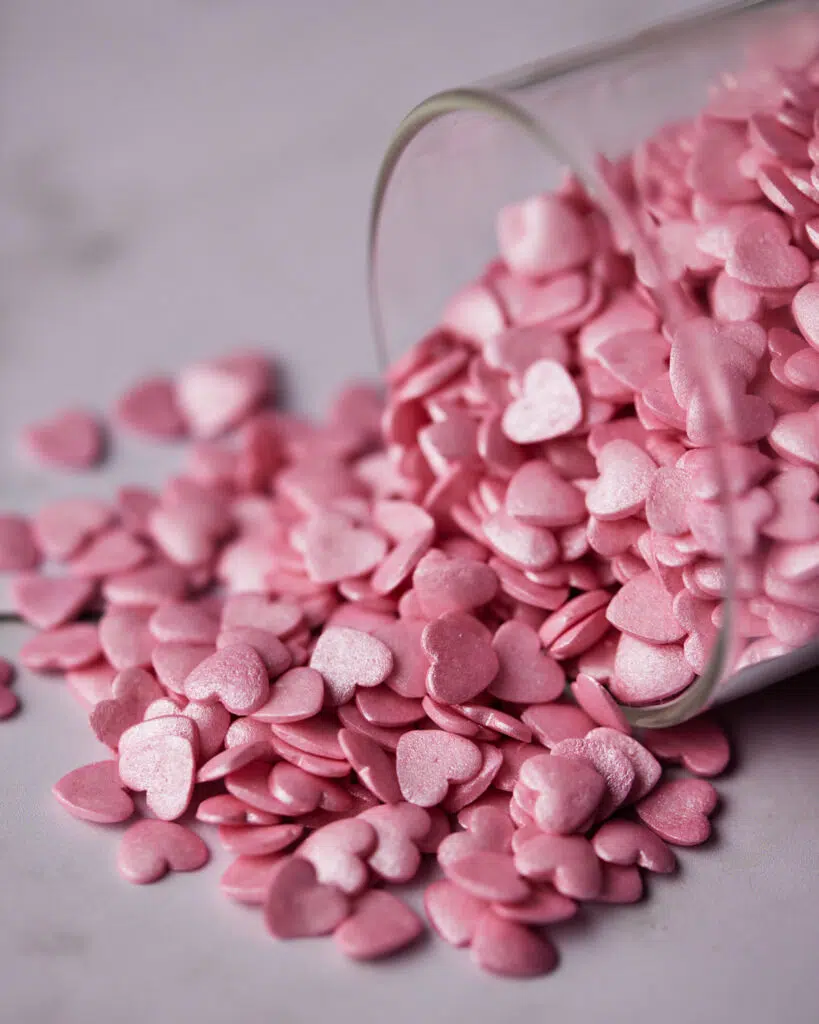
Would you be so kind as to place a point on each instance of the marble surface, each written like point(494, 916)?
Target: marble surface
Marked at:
point(178, 176)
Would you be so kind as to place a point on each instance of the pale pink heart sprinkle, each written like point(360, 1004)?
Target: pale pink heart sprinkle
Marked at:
point(510, 949)
point(379, 925)
point(678, 811)
point(400, 831)
point(65, 647)
point(346, 658)
point(158, 758)
point(550, 406)
point(149, 849)
point(47, 602)
point(429, 760)
point(235, 676)
point(62, 527)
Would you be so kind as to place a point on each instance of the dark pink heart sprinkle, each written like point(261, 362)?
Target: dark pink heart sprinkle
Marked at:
point(678, 811)
point(149, 849)
point(150, 408)
point(69, 440)
point(18, 550)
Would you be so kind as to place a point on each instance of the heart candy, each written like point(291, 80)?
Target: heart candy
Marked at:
point(400, 829)
point(235, 676)
point(48, 602)
point(335, 549)
point(452, 584)
point(678, 811)
point(550, 406)
point(568, 792)
point(762, 256)
point(511, 949)
point(347, 658)
point(94, 793)
point(452, 911)
point(149, 849)
point(379, 925)
point(62, 527)
point(69, 440)
point(526, 675)
point(298, 906)
point(486, 828)
point(463, 660)
point(150, 408)
point(539, 496)
point(642, 608)
point(428, 760)
point(626, 473)
point(699, 745)
point(125, 638)
point(158, 758)
point(63, 648)
point(132, 691)
point(295, 696)
point(568, 862)
point(628, 842)
point(247, 879)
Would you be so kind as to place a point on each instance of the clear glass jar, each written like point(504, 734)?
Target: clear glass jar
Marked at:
point(462, 155)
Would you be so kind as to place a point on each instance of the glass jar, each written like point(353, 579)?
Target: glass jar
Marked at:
point(463, 155)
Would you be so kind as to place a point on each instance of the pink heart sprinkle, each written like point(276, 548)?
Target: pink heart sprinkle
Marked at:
point(158, 758)
point(526, 675)
point(173, 663)
point(69, 440)
point(762, 257)
point(338, 852)
point(642, 608)
point(215, 396)
point(183, 623)
point(626, 473)
point(568, 862)
point(549, 407)
point(379, 925)
point(66, 647)
point(429, 760)
point(486, 828)
point(149, 849)
point(645, 673)
point(452, 584)
point(678, 811)
point(700, 745)
point(298, 906)
point(463, 660)
point(347, 658)
point(335, 549)
point(150, 408)
point(235, 676)
point(568, 791)
point(511, 949)
point(452, 911)
point(62, 527)
point(375, 769)
point(400, 829)
point(258, 840)
point(542, 236)
point(539, 496)
point(94, 793)
point(18, 550)
point(125, 638)
point(48, 602)
point(247, 879)
point(596, 701)
point(489, 876)
point(110, 552)
point(544, 906)
point(628, 842)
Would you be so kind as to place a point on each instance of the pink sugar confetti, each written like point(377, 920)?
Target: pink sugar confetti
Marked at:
point(70, 440)
point(405, 631)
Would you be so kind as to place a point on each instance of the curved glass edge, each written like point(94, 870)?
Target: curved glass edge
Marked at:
point(698, 695)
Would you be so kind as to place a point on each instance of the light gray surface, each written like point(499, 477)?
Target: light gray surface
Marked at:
point(176, 177)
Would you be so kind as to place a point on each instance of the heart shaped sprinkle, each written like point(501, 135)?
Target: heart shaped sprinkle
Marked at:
point(762, 256)
point(158, 758)
point(298, 906)
point(335, 549)
point(48, 602)
point(149, 849)
point(678, 811)
point(346, 658)
point(626, 473)
point(525, 675)
point(568, 792)
point(452, 584)
point(150, 408)
point(452, 911)
point(94, 793)
point(295, 696)
point(628, 842)
point(400, 829)
point(62, 527)
point(63, 648)
point(511, 949)
point(463, 660)
point(429, 760)
point(550, 406)
point(69, 440)
point(235, 676)
point(379, 925)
